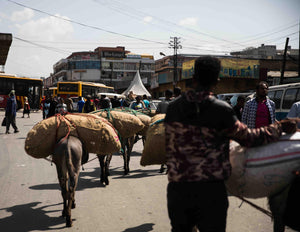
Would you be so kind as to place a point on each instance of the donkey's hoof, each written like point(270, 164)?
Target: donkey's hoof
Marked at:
point(69, 224)
point(69, 221)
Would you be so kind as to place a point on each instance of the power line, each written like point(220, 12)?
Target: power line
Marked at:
point(85, 25)
point(43, 46)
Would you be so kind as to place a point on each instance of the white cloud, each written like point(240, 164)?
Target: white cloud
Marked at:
point(147, 19)
point(190, 21)
point(48, 28)
point(29, 60)
point(18, 16)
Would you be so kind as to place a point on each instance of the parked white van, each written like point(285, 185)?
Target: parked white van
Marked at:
point(284, 96)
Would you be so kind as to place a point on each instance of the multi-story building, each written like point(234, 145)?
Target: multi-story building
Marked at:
point(164, 74)
point(112, 66)
point(266, 52)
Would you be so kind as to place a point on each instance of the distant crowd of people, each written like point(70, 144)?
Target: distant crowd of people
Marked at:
point(198, 128)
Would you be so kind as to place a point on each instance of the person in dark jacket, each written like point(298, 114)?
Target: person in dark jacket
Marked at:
point(198, 128)
point(88, 105)
point(11, 112)
point(104, 102)
point(53, 103)
point(238, 108)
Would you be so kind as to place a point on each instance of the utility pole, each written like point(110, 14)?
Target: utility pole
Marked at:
point(111, 73)
point(283, 62)
point(175, 44)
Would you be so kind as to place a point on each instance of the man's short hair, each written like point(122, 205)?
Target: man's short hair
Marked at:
point(177, 91)
point(207, 70)
point(168, 93)
point(261, 83)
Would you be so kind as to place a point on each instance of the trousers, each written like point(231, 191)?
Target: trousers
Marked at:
point(201, 204)
point(10, 119)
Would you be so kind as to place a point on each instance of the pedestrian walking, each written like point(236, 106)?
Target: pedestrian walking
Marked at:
point(61, 107)
point(52, 106)
point(69, 103)
point(163, 105)
point(11, 112)
point(104, 102)
point(88, 105)
point(26, 107)
point(198, 128)
point(80, 104)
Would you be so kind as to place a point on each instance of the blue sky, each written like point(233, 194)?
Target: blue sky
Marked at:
point(49, 30)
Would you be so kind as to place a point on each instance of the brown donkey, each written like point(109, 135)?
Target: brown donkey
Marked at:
point(68, 155)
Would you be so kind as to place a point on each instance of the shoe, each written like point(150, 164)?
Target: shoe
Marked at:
point(16, 131)
point(7, 132)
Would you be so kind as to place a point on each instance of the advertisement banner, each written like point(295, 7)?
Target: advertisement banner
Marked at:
point(239, 68)
point(187, 69)
point(230, 68)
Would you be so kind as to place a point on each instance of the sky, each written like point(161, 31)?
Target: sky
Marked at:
point(49, 30)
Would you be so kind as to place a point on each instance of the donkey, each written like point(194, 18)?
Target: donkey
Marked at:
point(68, 155)
point(266, 171)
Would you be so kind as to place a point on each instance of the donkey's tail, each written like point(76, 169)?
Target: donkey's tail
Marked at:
point(69, 163)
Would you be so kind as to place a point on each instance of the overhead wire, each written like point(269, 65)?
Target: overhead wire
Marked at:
point(137, 38)
point(86, 25)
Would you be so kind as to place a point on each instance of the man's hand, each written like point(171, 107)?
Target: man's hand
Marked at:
point(289, 126)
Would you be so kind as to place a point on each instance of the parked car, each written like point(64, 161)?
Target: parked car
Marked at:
point(225, 96)
point(233, 99)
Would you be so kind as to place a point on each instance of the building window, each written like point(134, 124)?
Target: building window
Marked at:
point(85, 64)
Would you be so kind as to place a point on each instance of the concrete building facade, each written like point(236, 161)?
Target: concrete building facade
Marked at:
point(113, 66)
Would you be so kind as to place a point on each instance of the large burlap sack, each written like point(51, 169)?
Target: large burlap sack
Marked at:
point(126, 124)
point(146, 120)
point(155, 147)
point(264, 170)
point(97, 135)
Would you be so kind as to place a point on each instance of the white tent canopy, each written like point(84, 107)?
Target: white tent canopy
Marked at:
point(137, 87)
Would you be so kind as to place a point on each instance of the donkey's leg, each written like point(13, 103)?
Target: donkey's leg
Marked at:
point(129, 145)
point(106, 168)
point(107, 163)
point(277, 206)
point(125, 156)
point(143, 140)
point(71, 198)
point(62, 178)
point(101, 159)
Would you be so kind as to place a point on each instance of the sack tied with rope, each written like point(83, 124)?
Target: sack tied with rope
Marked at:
point(96, 133)
point(155, 146)
point(126, 124)
point(146, 120)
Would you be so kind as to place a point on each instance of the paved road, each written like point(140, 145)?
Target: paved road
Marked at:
point(30, 199)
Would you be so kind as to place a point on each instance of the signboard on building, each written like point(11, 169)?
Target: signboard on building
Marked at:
point(230, 68)
point(113, 54)
point(188, 69)
point(239, 68)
